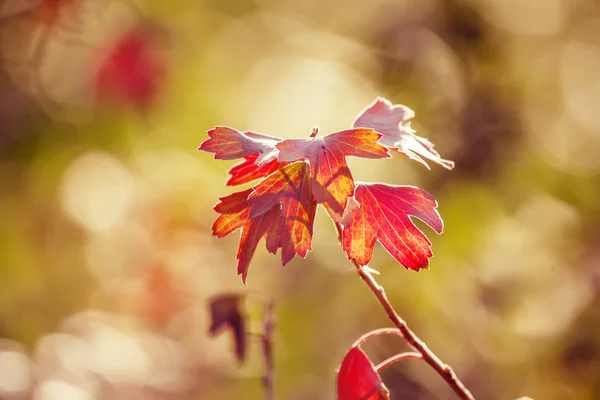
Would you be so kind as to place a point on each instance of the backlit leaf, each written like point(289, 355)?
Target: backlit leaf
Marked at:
point(383, 216)
point(358, 380)
point(332, 182)
point(231, 144)
point(234, 213)
point(288, 189)
point(392, 121)
point(254, 229)
point(281, 209)
point(248, 171)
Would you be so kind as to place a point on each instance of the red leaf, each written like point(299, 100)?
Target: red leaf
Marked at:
point(281, 208)
point(231, 144)
point(272, 238)
point(133, 72)
point(289, 190)
point(332, 181)
point(384, 216)
point(358, 380)
point(234, 213)
point(247, 170)
point(254, 229)
point(392, 121)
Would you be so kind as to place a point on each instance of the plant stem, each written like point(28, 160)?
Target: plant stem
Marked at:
point(376, 332)
point(267, 346)
point(396, 358)
point(444, 370)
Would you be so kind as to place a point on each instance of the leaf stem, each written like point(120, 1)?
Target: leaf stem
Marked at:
point(376, 332)
point(396, 358)
point(444, 370)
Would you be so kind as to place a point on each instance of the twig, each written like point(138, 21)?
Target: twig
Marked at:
point(376, 332)
point(444, 370)
point(267, 345)
point(397, 357)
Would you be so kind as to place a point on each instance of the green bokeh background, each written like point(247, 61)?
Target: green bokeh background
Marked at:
point(106, 257)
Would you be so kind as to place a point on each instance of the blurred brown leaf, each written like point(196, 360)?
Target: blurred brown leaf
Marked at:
point(226, 313)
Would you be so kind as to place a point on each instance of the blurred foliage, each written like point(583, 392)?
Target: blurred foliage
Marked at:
point(106, 258)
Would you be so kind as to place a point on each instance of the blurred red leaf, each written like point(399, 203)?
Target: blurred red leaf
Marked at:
point(358, 380)
point(332, 181)
point(383, 215)
point(281, 208)
point(226, 313)
point(162, 295)
point(248, 171)
point(46, 12)
point(132, 71)
point(392, 121)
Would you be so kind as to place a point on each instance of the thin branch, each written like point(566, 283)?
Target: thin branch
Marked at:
point(267, 346)
point(377, 332)
point(444, 370)
point(396, 358)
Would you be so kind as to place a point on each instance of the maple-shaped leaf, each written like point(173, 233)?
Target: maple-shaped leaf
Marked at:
point(226, 313)
point(358, 380)
point(231, 144)
point(253, 230)
point(384, 215)
point(233, 211)
point(289, 191)
point(248, 171)
point(281, 209)
point(392, 121)
point(332, 182)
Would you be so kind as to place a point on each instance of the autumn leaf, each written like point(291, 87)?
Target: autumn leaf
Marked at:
point(231, 144)
point(233, 212)
point(392, 121)
point(226, 313)
point(298, 174)
point(248, 171)
point(358, 380)
point(384, 216)
point(289, 191)
point(332, 181)
point(281, 208)
point(253, 230)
